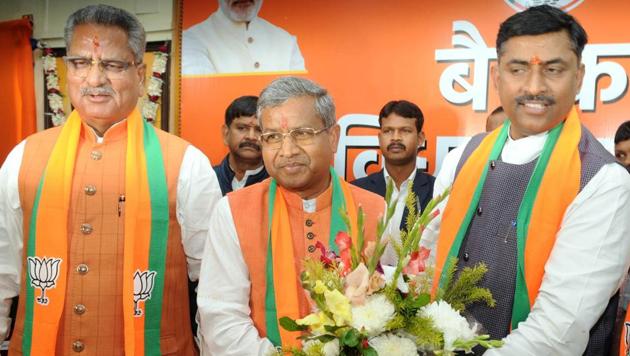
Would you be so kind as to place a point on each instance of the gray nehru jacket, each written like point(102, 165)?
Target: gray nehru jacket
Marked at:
point(491, 237)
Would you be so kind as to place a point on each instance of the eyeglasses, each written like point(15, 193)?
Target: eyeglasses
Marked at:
point(80, 66)
point(301, 136)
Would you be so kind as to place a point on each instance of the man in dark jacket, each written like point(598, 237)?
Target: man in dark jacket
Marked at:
point(399, 139)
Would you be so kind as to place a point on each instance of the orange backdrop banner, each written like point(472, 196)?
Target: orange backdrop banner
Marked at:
point(437, 54)
point(17, 94)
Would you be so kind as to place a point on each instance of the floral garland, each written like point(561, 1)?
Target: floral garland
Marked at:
point(154, 89)
point(53, 93)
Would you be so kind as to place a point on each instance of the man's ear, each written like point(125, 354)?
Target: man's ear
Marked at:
point(141, 70)
point(494, 72)
point(225, 131)
point(333, 137)
point(580, 77)
point(421, 139)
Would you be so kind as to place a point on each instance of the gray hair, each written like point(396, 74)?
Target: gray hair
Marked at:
point(109, 16)
point(285, 88)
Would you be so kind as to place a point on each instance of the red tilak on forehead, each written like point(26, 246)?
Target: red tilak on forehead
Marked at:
point(96, 44)
point(535, 60)
point(284, 124)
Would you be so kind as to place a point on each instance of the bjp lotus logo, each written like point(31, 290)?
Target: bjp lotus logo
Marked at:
point(142, 288)
point(43, 273)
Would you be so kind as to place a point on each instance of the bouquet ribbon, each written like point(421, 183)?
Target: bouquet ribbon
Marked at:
point(146, 234)
point(280, 266)
point(553, 185)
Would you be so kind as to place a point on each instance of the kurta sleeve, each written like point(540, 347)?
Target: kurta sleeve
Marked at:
point(226, 327)
point(198, 192)
point(10, 235)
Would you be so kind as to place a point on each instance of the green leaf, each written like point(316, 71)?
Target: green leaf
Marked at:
point(350, 338)
point(369, 351)
point(290, 324)
point(324, 338)
point(420, 301)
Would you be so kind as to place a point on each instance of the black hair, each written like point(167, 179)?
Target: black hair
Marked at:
point(242, 106)
point(540, 20)
point(623, 132)
point(405, 109)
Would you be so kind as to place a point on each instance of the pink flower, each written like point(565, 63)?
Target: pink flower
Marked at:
point(356, 285)
point(344, 242)
point(417, 262)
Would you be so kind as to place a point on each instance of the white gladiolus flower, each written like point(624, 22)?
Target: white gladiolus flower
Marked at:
point(393, 345)
point(155, 87)
point(388, 271)
point(372, 316)
point(159, 63)
point(449, 322)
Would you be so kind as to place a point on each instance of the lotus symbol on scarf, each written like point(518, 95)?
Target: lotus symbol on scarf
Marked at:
point(43, 273)
point(142, 288)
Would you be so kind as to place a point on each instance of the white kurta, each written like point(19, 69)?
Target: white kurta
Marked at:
point(198, 192)
point(220, 45)
point(587, 264)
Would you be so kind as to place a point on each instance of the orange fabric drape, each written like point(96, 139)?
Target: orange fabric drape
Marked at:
point(17, 90)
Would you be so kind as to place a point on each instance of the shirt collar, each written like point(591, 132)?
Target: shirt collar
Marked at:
point(523, 150)
point(411, 177)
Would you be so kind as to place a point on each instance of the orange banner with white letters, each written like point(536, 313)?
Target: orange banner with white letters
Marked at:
point(437, 54)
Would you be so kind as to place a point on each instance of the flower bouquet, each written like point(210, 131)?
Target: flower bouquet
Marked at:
point(361, 307)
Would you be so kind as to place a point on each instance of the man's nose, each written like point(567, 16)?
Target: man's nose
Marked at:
point(288, 147)
point(96, 76)
point(253, 133)
point(536, 82)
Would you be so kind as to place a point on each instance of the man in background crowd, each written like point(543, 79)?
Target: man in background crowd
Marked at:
point(495, 119)
point(243, 165)
point(622, 144)
point(400, 137)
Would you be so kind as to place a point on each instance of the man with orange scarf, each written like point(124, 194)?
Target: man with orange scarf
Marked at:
point(260, 234)
point(100, 223)
point(539, 201)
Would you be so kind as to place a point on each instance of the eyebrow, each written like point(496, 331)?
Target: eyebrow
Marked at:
point(545, 63)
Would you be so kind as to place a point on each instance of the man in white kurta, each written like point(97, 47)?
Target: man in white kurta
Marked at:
point(197, 192)
point(589, 259)
point(226, 43)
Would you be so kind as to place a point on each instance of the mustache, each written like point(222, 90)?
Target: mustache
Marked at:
point(249, 144)
point(547, 100)
point(284, 163)
point(396, 144)
point(97, 91)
